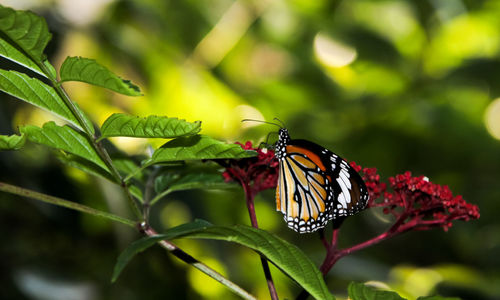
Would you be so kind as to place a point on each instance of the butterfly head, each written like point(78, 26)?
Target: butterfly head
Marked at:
point(284, 135)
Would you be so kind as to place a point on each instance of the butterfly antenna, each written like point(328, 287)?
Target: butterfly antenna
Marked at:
point(280, 122)
point(260, 121)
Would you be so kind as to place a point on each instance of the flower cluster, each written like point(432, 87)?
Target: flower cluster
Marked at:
point(259, 173)
point(416, 202)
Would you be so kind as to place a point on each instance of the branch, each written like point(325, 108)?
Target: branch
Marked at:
point(101, 151)
point(64, 203)
point(179, 253)
point(253, 219)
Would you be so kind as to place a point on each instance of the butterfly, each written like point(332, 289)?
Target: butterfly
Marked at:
point(315, 185)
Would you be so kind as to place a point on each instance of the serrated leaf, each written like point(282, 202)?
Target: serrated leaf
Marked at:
point(11, 53)
point(89, 71)
point(148, 241)
point(64, 138)
point(35, 92)
point(84, 165)
point(150, 127)
point(195, 148)
point(359, 291)
point(27, 30)
point(12, 142)
point(287, 257)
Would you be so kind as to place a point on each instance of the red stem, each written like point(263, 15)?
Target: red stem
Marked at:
point(333, 255)
point(253, 219)
point(335, 235)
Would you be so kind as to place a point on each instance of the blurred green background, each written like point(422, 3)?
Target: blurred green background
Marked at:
point(397, 85)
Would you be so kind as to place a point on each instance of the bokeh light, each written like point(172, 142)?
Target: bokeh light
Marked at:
point(333, 53)
point(492, 118)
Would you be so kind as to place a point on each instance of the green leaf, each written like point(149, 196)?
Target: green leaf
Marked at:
point(84, 165)
point(10, 52)
point(284, 255)
point(35, 92)
point(359, 291)
point(287, 257)
point(86, 119)
point(12, 142)
point(89, 71)
point(146, 242)
point(64, 138)
point(136, 192)
point(150, 127)
point(27, 30)
point(191, 181)
point(195, 148)
point(50, 68)
point(127, 166)
point(171, 182)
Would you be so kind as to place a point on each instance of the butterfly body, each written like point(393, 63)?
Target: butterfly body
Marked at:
point(315, 185)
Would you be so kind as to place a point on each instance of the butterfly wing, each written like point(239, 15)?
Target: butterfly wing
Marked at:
point(315, 185)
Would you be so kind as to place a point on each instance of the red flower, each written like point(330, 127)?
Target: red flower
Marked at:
point(259, 173)
point(416, 202)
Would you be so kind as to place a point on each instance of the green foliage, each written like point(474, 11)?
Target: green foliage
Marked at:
point(64, 138)
point(148, 241)
point(150, 127)
point(359, 291)
point(36, 93)
point(200, 178)
point(49, 68)
point(174, 182)
point(84, 165)
point(127, 166)
point(26, 30)
point(89, 71)
point(10, 52)
point(195, 148)
point(12, 142)
point(287, 257)
point(447, 82)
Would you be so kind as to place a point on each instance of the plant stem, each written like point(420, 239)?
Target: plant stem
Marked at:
point(335, 237)
point(101, 151)
point(199, 265)
point(64, 203)
point(253, 219)
point(130, 175)
point(148, 190)
point(333, 254)
point(12, 189)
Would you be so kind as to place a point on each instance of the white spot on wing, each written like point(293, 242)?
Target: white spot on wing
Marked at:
point(346, 181)
point(342, 200)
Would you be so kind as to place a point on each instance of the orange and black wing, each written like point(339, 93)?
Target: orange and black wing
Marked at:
point(315, 185)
